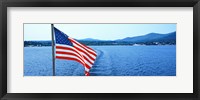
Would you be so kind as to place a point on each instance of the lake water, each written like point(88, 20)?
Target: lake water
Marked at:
point(111, 61)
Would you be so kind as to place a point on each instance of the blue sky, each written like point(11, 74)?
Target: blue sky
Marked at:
point(96, 31)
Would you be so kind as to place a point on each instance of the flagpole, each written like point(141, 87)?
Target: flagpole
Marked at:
point(53, 49)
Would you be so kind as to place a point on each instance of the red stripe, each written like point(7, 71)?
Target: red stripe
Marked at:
point(67, 48)
point(69, 53)
point(87, 73)
point(68, 58)
point(85, 53)
point(74, 59)
point(87, 60)
point(87, 47)
point(87, 66)
point(81, 45)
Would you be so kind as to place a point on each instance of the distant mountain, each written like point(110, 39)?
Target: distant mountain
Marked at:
point(89, 39)
point(169, 37)
point(151, 37)
point(148, 39)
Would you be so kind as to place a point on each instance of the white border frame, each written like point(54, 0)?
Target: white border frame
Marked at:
point(182, 83)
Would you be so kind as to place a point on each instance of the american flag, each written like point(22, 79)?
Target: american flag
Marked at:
point(68, 48)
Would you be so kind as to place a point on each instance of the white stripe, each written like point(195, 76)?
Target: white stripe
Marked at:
point(59, 49)
point(83, 54)
point(81, 45)
point(70, 56)
point(86, 62)
point(70, 51)
point(86, 69)
point(81, 58)
point(63, 45)
point(84, 50)
point(65, 55)
point(84, 47)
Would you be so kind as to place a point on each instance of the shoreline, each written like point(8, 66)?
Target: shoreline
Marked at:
point(113, 45)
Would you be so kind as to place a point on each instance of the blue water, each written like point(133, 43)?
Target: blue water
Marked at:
point(111, 61)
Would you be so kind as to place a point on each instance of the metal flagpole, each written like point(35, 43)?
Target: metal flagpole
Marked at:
point(53, 49)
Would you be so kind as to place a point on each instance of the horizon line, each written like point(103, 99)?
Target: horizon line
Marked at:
point(106, 40)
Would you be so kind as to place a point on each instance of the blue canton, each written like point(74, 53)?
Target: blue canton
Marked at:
point(61, 38)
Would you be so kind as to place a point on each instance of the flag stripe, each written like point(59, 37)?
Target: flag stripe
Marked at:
point(88, 48)
point(85, 49)
point(73, 54)
point(60, 51)
point(69, 53)
point(92, 55)
point(89, 52)
point(64, 47)
point(69, 58)
point(67, 48)
point(84, 57)
point(86, 69)
point(80, 50)
point(82, 46)
point(73, 57)
point(72, 50)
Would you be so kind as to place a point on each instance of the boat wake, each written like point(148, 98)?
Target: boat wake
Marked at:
point(102, 65)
